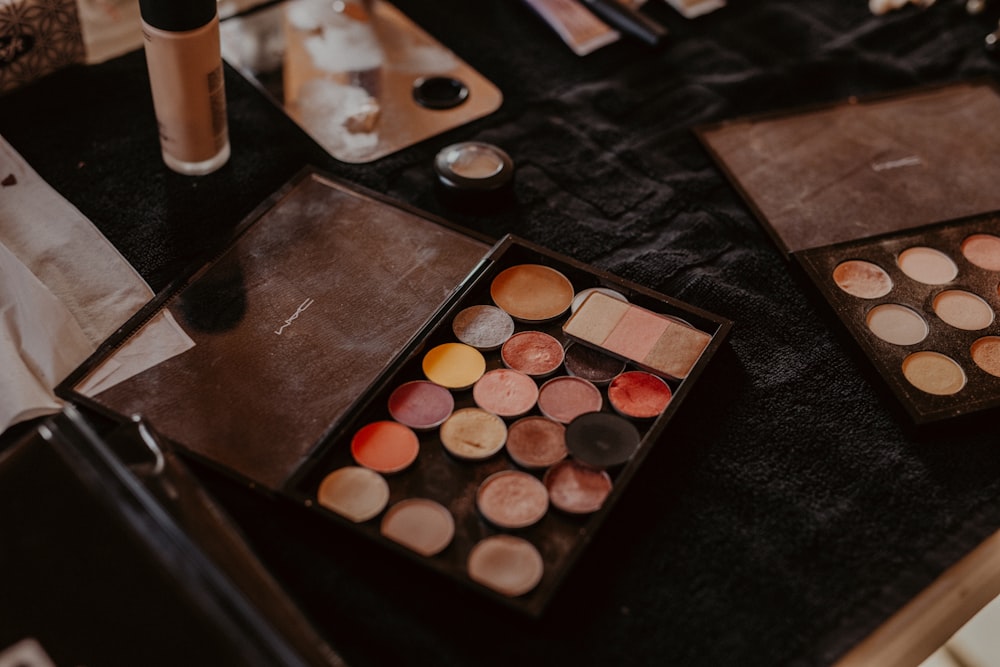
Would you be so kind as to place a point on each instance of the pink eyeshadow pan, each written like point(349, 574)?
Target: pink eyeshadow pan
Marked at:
point(983, 250)
point(636, 334)
point(576, 488)
point(512, 499)
point(862, 279)
point(505, 392)
point(566, 397)
point(421, 405)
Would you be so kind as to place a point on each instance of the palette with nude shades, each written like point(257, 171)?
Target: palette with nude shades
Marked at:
point(416, 385)
point(886, 205)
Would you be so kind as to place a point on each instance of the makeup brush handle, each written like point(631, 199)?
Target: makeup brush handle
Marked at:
point(628, 20)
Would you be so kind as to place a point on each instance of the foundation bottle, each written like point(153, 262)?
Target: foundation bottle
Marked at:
point(183, 56)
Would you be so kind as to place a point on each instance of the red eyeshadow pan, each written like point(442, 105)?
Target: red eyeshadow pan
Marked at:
point(385, 446)
point(639, 395)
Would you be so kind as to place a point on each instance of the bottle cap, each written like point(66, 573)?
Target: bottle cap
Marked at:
point(177, 15)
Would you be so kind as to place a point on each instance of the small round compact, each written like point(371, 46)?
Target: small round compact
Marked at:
point(474, 176)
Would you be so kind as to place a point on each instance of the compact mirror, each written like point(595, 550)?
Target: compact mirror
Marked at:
point(359, 77)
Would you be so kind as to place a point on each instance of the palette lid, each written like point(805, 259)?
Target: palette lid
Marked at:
point(320, 292)
point(860, 168)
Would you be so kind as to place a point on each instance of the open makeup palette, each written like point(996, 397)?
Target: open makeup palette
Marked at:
point(477, 408)
point(888, 205)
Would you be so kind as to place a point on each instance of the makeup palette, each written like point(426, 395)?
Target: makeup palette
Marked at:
point(886, 206)
point(418, 393)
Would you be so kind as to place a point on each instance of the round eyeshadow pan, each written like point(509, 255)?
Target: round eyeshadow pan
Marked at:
point(536, 442)
point(575, 488)
point(355, 493)
point(512, 499)
point(963, 310)
point(639, 395)
point(983, 250)
point(422, 405)
point(419, 524)
point(385, 446)
point(986, 353)
point(473, 434)
point(592, 365)
point(532, 292)
point(507, 564)
point(566, 397)
point(535, 353)
point(927, 265)
point(483, 327)
point(897, 324)
point(602, 439)
point(454, 365)
point(934, 373)
point(862, 279)
point(505, 392)
point(582, 295)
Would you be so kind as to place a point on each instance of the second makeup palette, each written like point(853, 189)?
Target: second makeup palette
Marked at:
point(887, 205)
point(478, 409)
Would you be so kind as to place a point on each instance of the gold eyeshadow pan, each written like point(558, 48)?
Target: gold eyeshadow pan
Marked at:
point(884, 202)
point(400, 352)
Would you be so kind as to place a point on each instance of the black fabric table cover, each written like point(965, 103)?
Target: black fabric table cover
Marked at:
point(789, 509)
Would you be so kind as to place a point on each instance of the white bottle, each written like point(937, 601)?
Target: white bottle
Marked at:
point(183, 56)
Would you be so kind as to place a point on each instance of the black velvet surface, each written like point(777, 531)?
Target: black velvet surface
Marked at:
point(789, 508)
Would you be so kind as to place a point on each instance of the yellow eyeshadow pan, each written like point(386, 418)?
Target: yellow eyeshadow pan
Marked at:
point(454, 365)
point(654, 342)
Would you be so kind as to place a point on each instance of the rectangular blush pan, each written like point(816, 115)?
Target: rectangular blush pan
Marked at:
point(653, 342)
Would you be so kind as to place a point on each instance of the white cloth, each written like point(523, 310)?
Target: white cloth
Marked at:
point(65, 289)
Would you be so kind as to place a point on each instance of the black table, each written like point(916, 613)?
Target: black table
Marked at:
point(790, 507)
